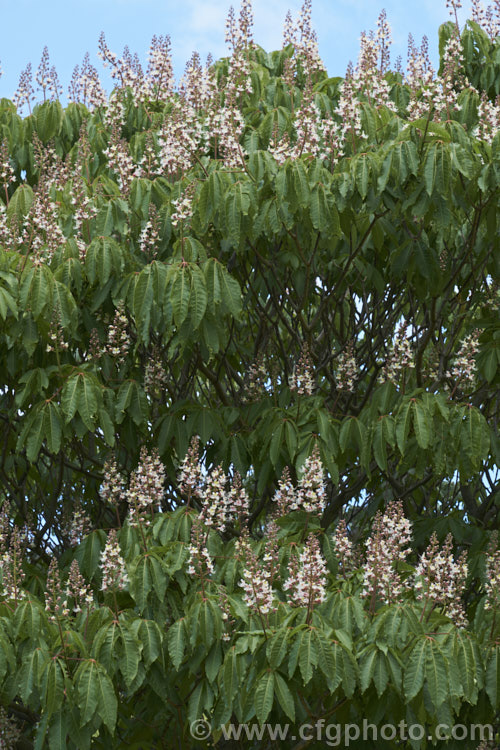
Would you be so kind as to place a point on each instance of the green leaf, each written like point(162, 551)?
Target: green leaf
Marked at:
point(308, 655)
point(284, 696)
point(176, 641)
point(414, 675)
point(492, 677)
point(198, 297)
point(180, 292)
point(264, 695)
point(86, 689)
point(150, 637)
point(422, 423)
point(436, 673)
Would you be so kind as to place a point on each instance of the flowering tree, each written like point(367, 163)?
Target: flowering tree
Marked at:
point(249, 392)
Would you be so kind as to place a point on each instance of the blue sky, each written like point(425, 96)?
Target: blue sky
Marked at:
point(69, 29)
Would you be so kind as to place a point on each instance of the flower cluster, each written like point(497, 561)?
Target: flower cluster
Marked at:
point(55, 601)
point(7, 176)
point(47, 79)
point(114, 573)
point(347, 369)
point(304, 41)
point(488, 18)
point(146, 488)
point(301, 380)
point(112, 489)
point(183, 206)
point(25, 93)
point(488, 119)
point(190, 477)
point(493, 574)
point(118, 344)
point(160, 73)
point(77, 590)
point(119, 159)
point(311, 491)
point(256, 378)
point(307, 578)
point(85, 85)
point(386, 547)
point(344, 549)
point(11, 567)
point(150, 234)
point(155, 377)
point(238, 501)
point(199, 563)
point(215, 511)
point(77, 525)
point(255, 581)
point(440, 580)
point(464, 367)
point(400, 357)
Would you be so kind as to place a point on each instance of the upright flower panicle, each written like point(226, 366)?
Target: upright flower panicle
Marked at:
point(112, 489)
point(440, 580)
point(114, 572)
point(343, 547)
point(493, 574)
point(190, 477)
point(311, 490)
point(307, 579)
point(255, 581)
point(386, 547)
point(146, 488)
point(301, 380)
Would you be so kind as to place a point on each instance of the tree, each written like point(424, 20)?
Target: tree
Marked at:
point(249, 337)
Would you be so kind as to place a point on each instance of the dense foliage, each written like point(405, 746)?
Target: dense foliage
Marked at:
point(249, 356)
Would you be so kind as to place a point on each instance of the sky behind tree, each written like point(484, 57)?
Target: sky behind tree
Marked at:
point(70, 29)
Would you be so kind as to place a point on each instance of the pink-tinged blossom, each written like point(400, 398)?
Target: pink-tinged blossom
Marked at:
point(400, 358)
point(464, 366)
point(215, 500)
point(159, 80)
point(190, 477)
point(307, 577)
point(238, 501)
point(301, 380)
point(77, 525)
point(199, 563)
point(119, 342)
point(311, 490)
point(146, 488)
point(112, 489)
point(488, 114)
point(114, 572)
point(487, 17)
point(77, 590)
point(347, 369)
point(11, 567)
point(440, 580)
point(285, 496)
point(85, 86)
point(493, 574)
point(386, 547)
point(258, 592)
point(344, 547)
